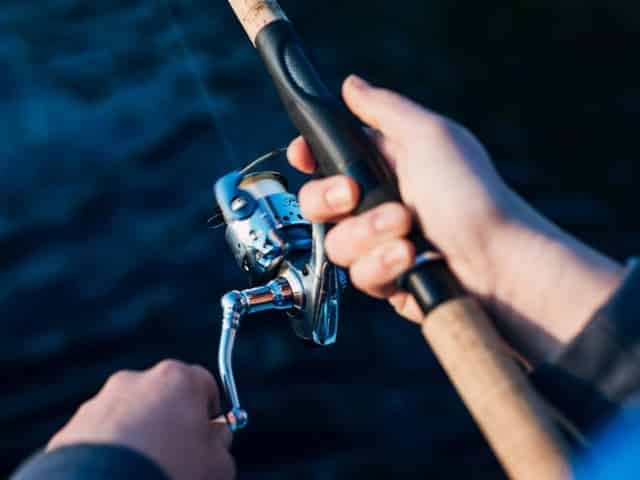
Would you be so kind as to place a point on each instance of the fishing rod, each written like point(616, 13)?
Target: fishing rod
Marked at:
point(509, 412)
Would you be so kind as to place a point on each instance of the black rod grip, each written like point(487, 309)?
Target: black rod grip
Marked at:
point(335, 137)
point(341, 146)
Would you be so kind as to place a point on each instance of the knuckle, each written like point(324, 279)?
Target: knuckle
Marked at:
point(406, 246)
point(401, 211)
point(402, 218)
point(118, 379)
point(86, 407)
point(173, 373)
point(368, 223)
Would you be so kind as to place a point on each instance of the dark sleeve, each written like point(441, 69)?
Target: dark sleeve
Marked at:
point(95, 462)
point(598, 375)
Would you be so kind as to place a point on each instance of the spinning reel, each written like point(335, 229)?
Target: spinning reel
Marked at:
point(284, 255)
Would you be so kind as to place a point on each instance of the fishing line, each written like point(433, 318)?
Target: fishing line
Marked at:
point(264, 158)
point(198, 77)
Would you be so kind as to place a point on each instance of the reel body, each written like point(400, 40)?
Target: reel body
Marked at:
point(284, 256)
point(264, 225)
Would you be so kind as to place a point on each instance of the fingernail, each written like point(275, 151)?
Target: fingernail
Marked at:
point(358, 82)
point(396, 256)
point(339, 197)
point(385, 221)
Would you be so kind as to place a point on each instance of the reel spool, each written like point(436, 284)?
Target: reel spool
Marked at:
point(267, 226)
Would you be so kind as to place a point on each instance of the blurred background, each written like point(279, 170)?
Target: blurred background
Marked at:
point(116, 117)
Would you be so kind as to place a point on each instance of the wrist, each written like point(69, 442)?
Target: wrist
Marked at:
point(547, 284)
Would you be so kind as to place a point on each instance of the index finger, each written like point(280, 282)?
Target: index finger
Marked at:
point(300, 156)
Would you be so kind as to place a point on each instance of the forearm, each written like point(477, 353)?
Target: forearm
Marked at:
point(566, 283)
point(598, 374)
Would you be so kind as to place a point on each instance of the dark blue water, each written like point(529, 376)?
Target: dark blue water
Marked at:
point(112, 136)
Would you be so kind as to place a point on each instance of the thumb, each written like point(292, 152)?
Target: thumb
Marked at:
point(381, 109)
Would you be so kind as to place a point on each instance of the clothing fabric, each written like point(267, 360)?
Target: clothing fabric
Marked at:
point(598, 376)
point(94, 462)
point(614, 452)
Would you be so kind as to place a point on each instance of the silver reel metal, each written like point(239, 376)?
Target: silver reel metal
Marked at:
point(284, 255)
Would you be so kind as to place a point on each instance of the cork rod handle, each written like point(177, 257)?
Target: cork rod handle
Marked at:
point(254, 15)
point(511, 415)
